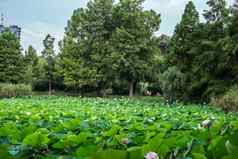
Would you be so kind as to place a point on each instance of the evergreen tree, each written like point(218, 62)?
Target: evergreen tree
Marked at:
point(213, 61)
point(40, 74)
point(210, 67)
point(181, 54)
point(134, 53)
point(11, 59)
point(198, 52)
point(234, 21)
point(217, 12)
point(230, 45)
point(164, 41)
point(31, 57)
point(31, 61)
point(49, 55)
point(86, 47)
point(104, 40)
point(183, 40)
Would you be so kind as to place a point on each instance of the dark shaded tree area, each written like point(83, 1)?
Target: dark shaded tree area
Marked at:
point(202, 60)
point(112, 48)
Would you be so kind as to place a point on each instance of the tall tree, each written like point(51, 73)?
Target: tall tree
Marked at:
point(231, 44)
point(212, 57)
point(234, 21)
point(31, 56)
point(209, 67)
point(86, 47)
point(134, 54)
point(183, 40)
point(11, 59)
point(108, 41)
point(49, 55)
point(181, 55)
point(217, 12)
point(31, 61)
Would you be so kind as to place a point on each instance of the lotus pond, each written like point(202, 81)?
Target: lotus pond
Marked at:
point(114, 128)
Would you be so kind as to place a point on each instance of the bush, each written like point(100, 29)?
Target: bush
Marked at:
point(228, 102)
point(172, 83)
point(14, 90)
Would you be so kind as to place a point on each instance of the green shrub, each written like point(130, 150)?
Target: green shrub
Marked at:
point(228, 102)
point(172, 83)
point(14, 90)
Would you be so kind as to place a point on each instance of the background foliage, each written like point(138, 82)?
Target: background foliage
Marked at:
point(112, 48)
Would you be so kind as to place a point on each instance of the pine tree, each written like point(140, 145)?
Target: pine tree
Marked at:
point(183, 40)
point(11, 59)
point(31, 57)
point(217, 12)
point(211, 64)
point(31, 65)
point(49, 55)
point(181, 55)
point(231, 46)
point(212, 57)
point(234, 21)
point(86, 48)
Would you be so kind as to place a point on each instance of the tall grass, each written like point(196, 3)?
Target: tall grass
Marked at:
point(14, 90)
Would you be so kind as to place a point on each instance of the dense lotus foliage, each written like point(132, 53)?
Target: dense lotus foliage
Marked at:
point(114, 128)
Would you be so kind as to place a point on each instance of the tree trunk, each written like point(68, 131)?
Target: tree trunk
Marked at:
point(98, 92)
point(131, 88)
point(50, 87)
point(101, 90)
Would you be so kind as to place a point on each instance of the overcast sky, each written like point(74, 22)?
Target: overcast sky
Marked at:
point(40, 17)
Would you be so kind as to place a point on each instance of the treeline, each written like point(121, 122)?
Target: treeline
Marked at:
point(112, 48)
point(202, 61)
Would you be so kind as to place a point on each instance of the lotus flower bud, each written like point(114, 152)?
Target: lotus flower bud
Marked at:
point(28, 113)
point(125, 141)
point(206, 123)
point(151, 155)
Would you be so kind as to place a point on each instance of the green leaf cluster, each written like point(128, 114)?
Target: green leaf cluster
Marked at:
point(90, 128)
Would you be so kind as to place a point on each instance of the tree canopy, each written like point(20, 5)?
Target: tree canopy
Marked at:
point(11, 59)
point(108, 41)
point(113, 47)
